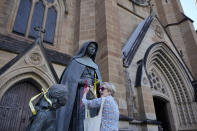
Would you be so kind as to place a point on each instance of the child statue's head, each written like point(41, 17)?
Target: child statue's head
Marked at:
point(58, 94)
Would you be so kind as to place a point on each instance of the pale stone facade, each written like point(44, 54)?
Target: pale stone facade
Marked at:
point(160, 65)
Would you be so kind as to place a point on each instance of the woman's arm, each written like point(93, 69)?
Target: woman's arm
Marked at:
point(92, 103)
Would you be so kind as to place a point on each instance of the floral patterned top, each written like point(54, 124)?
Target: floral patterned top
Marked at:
point(110, 114)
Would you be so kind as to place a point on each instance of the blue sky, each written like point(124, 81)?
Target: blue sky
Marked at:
point(190, 9)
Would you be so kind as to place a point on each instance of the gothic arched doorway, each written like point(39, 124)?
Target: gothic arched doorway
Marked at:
point(174, 81)
point(162, 113)
point(14, 108)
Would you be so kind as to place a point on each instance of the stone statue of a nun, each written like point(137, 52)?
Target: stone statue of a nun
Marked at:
point(80, 70)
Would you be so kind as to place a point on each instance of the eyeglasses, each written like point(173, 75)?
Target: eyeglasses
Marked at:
point(102, 88)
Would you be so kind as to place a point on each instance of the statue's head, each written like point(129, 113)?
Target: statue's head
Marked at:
point(58, 94)
point(89, 49)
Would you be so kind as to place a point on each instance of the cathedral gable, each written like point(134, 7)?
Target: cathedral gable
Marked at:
point(148, 32)
point(30, 64)
point(157, 71)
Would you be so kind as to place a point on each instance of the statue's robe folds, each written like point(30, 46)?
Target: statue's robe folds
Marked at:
point(70, 117)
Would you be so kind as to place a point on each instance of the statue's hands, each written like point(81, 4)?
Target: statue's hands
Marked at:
point(82, 82)
point(91, 88)
point(89, 82)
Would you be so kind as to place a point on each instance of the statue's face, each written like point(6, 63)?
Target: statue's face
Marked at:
point(55, 103)
point(91, 49)
point(58, 102)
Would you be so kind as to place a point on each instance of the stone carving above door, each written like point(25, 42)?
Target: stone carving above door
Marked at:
point(34, 58)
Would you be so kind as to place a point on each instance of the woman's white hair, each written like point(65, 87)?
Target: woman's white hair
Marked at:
point(110, 87)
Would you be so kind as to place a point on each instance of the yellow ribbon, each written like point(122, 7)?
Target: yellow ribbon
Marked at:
point(46, 98)
point(33, 110)
point(31, 104)
point(95, 83)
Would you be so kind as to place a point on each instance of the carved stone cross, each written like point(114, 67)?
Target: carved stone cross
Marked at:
point(151, 7)
point(41, 31)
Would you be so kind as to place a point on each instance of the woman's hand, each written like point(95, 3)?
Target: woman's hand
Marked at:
point(86, 91)
point(88, 88)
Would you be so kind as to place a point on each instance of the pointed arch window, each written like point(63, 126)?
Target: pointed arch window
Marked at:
point(22, 17)
point(33, 13)
point(139, 2)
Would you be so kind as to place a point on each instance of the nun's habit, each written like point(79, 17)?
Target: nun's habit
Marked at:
point(70, 117)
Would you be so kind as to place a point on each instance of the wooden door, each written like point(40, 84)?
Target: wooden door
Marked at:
point(14, 108)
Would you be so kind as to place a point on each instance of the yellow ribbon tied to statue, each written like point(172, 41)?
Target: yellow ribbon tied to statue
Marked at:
point(95, 83)
point(33, 110)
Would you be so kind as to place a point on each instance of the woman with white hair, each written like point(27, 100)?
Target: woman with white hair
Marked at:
point(110, 112)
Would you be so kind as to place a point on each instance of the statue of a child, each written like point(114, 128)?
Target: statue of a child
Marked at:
point(45, 119)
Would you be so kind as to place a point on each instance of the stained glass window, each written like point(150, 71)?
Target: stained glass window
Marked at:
point(37, 19)
point(50, 1)
point(25, 27)
point(50, 25)
point(139, 1)
point(22, 17)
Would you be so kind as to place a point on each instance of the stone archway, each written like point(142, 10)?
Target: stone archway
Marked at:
point(14, 108)
point(170, 79)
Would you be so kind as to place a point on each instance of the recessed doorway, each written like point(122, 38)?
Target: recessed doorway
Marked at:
point(162, 113)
